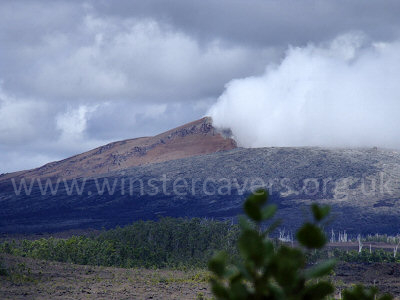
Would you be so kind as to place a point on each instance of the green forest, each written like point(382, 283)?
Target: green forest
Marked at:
point(167, 243)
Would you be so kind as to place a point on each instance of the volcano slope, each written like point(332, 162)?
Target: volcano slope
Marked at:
point(195, 138)
point(361, 185)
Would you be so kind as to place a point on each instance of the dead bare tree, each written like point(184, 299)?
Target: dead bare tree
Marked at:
point(332, 236)
point(342, 237)
point(285, 237)
point(360, 244)
point(395, 249)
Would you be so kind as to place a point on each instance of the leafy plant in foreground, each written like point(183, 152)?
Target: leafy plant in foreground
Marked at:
point(267, 271)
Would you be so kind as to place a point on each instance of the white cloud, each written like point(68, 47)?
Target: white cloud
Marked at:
point(344, 94)
point(73, 122)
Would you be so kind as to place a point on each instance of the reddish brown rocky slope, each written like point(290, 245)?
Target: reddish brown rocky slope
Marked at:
point(195, 138)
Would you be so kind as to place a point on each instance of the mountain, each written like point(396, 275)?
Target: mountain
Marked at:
point(195, 138)
point(362, 186)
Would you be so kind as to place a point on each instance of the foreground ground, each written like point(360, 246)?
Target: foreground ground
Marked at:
point(37, 279)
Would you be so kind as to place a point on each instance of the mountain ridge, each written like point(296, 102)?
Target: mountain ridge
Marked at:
point(362, 185)
point(374, 208)
point(194, 138)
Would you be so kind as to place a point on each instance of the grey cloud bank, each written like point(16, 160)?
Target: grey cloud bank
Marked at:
point(78, 74)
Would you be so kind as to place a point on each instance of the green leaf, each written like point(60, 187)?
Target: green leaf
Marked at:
point(360, 292)
point(219, 290)
point(320, 212)
point(272, 227)
point(286, 264)
point(385, 297)
point(243, 271)
point(231, 272)
point(217, 264)
point(311, 236)
point(320, 269)
point(239, 291)
point(268, 248)
point(318, 291)
point(268, 212)
point(251, 246)
point(245, 224)
point(275, 291)
point(253, 205)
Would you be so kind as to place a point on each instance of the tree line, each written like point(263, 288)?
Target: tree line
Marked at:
point(166, 243)
point(169, 242)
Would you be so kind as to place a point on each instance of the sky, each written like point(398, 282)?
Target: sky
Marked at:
point(75, 75)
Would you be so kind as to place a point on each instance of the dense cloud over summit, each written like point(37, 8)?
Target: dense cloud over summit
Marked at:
point(342, 94)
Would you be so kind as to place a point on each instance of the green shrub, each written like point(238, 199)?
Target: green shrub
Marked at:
point(269, 271)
